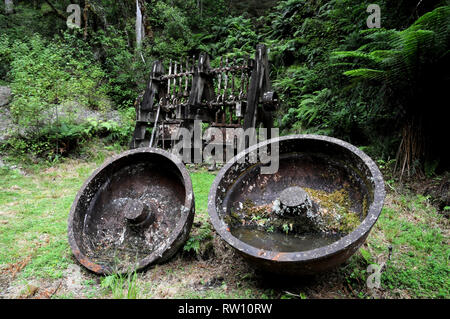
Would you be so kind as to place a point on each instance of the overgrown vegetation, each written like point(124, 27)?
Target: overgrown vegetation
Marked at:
point(121, 286)
point(59, 93)
point(409, 67)
point(335, 76)
point(371, 87)
point(367, 86)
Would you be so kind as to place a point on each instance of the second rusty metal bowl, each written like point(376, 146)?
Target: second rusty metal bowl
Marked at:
point(309, 161)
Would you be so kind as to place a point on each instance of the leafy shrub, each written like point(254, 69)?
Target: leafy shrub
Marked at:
point(45, 78)
point(200, 241)
point(410, 68)
point(172, 36)
point(122, 286)
point(125, 70)
point(237, 35)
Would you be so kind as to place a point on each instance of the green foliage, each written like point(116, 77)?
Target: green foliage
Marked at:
point(407, 53)
point(420, 263)
point(285, 228)
point(237, 37)
point(120, 132)
point(29, 20)
point(53, 84)
point(121, 286)
point(44, 76)
point(335, 76)
point(314, 100)
point(124, 69)
point(410, 68)
point(54, 141)
point(173, 38)
point(366, 255)
point(6, 56)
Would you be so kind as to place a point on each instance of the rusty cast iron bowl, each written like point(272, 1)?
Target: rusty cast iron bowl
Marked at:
point(312, 161)
point(135, 210)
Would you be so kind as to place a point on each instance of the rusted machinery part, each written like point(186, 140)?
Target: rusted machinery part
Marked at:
point(135, 210)
point(303, 162)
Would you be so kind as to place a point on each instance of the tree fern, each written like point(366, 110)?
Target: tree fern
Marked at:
point(369, 74)
point(412, 63)
point(357, 55)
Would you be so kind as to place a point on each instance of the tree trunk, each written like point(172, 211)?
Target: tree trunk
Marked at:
point(9, 6)
point(85, 15)
point(410, 154)
point(140, 34)
point(200, 7)
point(139, 25)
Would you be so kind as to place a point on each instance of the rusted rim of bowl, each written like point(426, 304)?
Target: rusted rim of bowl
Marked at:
point(155, 255)
point(314, 254)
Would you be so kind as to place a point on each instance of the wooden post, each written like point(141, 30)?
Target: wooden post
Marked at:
point(258, 85)
point(145, 110)
point(153, 86)
point(202, 86)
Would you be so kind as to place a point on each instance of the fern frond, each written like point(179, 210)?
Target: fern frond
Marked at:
point(342, 64)
point(355, 54)
point(369, 74)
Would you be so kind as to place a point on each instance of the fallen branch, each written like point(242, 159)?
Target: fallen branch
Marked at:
point(293, 295)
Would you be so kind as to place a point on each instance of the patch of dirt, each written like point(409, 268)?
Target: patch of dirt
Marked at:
point(185, 275)
point(33, 289)
point(437, 188)
point(13, 269)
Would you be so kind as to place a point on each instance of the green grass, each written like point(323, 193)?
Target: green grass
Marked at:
point(420, 256)
point(200, 236)
point(418, 235)
point(121, 286)
point(222, 293)
point(34, 211)
point(33, 216)
point(202, 182)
